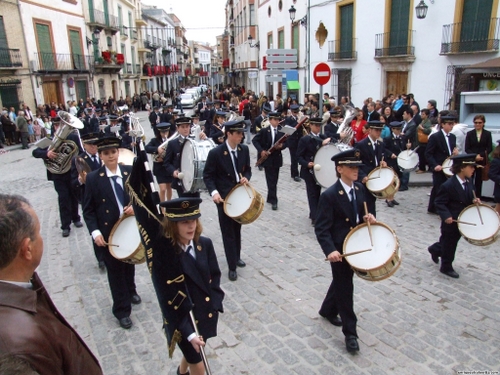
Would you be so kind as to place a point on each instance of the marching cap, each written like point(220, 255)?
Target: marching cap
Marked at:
point(349, 158)
point(99, 109)
point(235, 125)
point(155, 107)
point(221, 113)
point(194, 116)
point(88, 110)
point(187, 208)
point(108, 142)
point(316, 121)
point(163, 126)
point(175, 112)
point(448, 118)
point(56, 119)
point(103, 118)
point(294, 107)
point(464, 159)
point(209, 102)
point(275, 115)
point(266, 108)
point(89, 138)
point(396, 124)
point(183, 120)
point(124, 110)
point(113, 117)
point(165, 107)
point(376, 124)
point(334, 112)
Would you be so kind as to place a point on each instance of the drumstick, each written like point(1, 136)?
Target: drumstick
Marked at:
point(369, 226)
point(477, 206)
point(246, 188)
point(411, 153)
point(373, 178)
point(463, 222)
point(353, 253)
point(110, 244)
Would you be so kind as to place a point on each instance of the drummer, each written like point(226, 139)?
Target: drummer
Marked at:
point(216, 132)
point(453, 196)
point(101, 214)
point(394, 144)
point(340, 209)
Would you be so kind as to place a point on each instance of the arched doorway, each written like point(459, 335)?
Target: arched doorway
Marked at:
point(114, 87)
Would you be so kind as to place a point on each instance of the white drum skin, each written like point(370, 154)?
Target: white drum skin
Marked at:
point(479, 234)
point(324, 168)
point(193, 158)
point(407, 160)
point(126, 235)
point(243, 204)
point(382, 182)
point(447, 167)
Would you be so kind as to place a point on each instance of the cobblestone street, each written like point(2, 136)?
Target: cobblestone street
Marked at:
point(416, 322)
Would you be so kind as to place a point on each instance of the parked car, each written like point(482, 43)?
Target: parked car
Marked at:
point(187, 100)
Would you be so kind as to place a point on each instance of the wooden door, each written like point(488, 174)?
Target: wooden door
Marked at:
point(51, 92)
point(396, 83)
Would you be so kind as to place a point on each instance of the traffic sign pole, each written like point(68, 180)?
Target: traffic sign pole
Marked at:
point(321, 76)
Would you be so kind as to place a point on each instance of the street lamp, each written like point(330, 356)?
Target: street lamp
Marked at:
point(256, 45)
point(303, 22)
point(421, 9)
point(292, 12)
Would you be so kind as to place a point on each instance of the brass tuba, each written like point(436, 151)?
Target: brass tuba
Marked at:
point(164, 145)
point(64, 148)
point(345, 127)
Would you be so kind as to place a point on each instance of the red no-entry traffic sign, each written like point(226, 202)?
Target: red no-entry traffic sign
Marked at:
point(322, 74)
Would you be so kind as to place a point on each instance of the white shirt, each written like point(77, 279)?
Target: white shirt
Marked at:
point(348, 189)
point(447, 139)
point(374, 143)
point(232, 158)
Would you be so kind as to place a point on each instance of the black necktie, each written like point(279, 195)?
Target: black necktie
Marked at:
point(354, 204)
point(235, 158)
point(190, 251)
point(275, 135)
point(119, 190)
point(465, 187)
point(96, 162)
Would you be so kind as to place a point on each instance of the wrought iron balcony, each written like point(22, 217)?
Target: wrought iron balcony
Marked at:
point(466, 37)
point(102, 20)
point(342, 49)
point(394, 43)
point(134, 34)
point(137, 69)
point(10, 58)
point(149, 44)
point(129, 68)
point(57, 62)
point(124, 31)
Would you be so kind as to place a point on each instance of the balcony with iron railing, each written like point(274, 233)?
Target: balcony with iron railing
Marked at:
point(123, 32)
point(10, 58)
point(137, 69)
point(469, 37)
point(395, 44)
point(138, 19)
point(134, 35)
point(57, 62)
point(102, 20)
point(342, 49)
point(129, 68)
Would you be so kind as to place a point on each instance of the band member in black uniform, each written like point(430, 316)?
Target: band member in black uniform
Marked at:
point(172, 160)
point(103, 125)
point(91, 158)
point(340, 210)
point(393, 145)
point(163, 178)
point(228, 165)
point(257, 123)
point(263, 141)
point(372, 154)
point(440, 146)
point(454, 195)
point(216, 132)
point(104, 202)
point(154, 119)
point(332, 126)
point(207, 115)
point(114, 127)
point(308, 146)
point(293, 141)
point(68, 202)
point(201, 275)
point(94, 121)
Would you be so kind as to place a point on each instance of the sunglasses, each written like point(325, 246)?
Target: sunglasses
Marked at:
point(478, 122)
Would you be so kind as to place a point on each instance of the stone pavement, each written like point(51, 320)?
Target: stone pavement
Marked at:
point(416, 322)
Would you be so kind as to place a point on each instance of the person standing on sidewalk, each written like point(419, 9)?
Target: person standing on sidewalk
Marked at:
point(22, 128)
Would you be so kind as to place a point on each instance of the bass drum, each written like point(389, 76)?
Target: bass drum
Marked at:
point(125, 241)
point(193, 158)
point(324, 167)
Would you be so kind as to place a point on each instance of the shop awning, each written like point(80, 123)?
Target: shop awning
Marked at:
point(492, 65)
point(293, 85)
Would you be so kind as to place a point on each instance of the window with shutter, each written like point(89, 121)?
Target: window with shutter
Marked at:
point(4, 52)
point(346, 31)
point(400, 20)
point(76, 50)
point(295, 39)
point(476, 19)
point(45, 50)
point(281, 39)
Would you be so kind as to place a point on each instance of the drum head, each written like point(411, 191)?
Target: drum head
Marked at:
point(408, 160)
point(125, 156)
point(478, 232)
point(126, 235)
point(187, 164)
point(447, 167)
point(385, 244)
point(239, 200)
point(325, 174)
point(379, 179)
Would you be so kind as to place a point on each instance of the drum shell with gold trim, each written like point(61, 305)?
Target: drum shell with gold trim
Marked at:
point(243, 204)
point(125, 234)
point(447, 164)
point(479, 234)
point(383, 182)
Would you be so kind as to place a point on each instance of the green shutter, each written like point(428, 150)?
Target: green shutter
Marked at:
point(476, 18)
point(120, 18)
point(81, 90)
point(4, 52)
point(295, 40)
point(281, 39)
point(270, 41)
point(106, 11)
point(91, 10)
point(47, 61)
point(346, 30)
point(76, 50)
point(400, 21)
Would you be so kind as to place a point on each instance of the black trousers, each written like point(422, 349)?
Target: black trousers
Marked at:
point(339, 298)
point(272, 175)
point(231, 237)
point(313, 193)
point(478, 181)
point(294, 160)
point(99, 252)
point(447, 245)
point(24, 139)
point(371, 202)
point(438, 178)
point(422, 161)
point(121, 283)
point(68, 203)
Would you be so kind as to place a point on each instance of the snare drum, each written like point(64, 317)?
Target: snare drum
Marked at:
point(193, 158)
point(243, 204)
point(125, 156)
point(382, 182)
point(324, 168)
point(384, 258)
point(475, 233)
point(447, 167)
point(408, 161)
point(125, 241)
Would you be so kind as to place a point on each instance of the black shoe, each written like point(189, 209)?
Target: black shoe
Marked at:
point(261, 168)
point(65, 233)
point(102, 265)
point(297, 179)
point(335, 320)
point(78, 224)
point(431, 212)
point(435, 258)
point(275, 207)
point(450, 273)
point(395, 202)
point(389, 203)
point(136, 299)
point(403, 188)
point(125, 322)
point(232, 275)
point(240, 263)
point(351, 344)
point(179, 371)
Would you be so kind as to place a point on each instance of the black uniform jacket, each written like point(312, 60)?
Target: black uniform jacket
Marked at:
point(336, 216)
point(436, 151)
point(263, 142)
point(452, 199)
point(365, 147)
point(219, 171)
point(100, 209)
point(484, 145)
point(152, 148)
point(172, 160)
point(394, 146)
point(294, 138)
point(331, 129)
point(80, 189)
point(308, 146)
